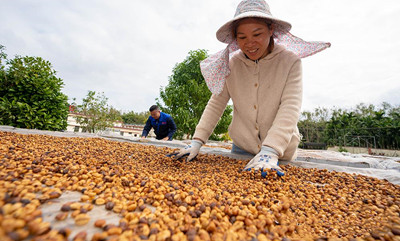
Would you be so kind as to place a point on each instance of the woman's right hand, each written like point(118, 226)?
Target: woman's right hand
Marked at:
point(190, 151)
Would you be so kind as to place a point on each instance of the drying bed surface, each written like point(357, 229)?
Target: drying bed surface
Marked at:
point(152, 197)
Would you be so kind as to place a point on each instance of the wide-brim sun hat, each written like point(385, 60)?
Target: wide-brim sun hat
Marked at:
point(216, 67)
point(250, 9)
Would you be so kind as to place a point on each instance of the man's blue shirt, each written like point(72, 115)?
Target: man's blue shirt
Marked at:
point(164, 126)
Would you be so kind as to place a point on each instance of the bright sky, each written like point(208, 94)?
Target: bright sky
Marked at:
point(127, 49)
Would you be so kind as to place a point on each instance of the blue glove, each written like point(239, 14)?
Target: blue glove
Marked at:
point(266, 159)
point(190, 151)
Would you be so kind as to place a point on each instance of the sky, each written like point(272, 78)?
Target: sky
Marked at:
point(128, 49)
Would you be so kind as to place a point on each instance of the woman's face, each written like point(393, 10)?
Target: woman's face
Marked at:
point(253, 37)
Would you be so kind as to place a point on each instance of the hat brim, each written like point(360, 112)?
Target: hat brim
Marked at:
point(225, 33)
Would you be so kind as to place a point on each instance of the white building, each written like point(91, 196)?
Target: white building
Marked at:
point(118, 128)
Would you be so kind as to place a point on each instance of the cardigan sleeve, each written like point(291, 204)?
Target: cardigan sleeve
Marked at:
point(211, 115)
point(285, 122)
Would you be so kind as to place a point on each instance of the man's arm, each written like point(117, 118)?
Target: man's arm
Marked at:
point(146, 128)
point(171, 127)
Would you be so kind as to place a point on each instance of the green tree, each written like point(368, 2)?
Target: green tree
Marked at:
point(186, 96)
point(311, 124)
point(30, 94)
point(365, 125)
point(3, 56)
point(114, 114)
point(135, 117)
point(96, 115)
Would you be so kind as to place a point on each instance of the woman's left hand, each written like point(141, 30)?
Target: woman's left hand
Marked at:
point(265, 160)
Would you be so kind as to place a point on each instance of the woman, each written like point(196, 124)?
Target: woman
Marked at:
point(264, 81)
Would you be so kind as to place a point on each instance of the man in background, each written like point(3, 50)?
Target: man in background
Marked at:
point(162, 123)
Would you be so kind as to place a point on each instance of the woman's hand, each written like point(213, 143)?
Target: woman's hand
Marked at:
point(266, 159)
point(190, 151)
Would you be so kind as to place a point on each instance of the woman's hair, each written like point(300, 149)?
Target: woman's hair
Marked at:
point(269, 23)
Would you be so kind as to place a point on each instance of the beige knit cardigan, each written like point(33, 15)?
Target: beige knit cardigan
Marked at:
point(266, 97)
